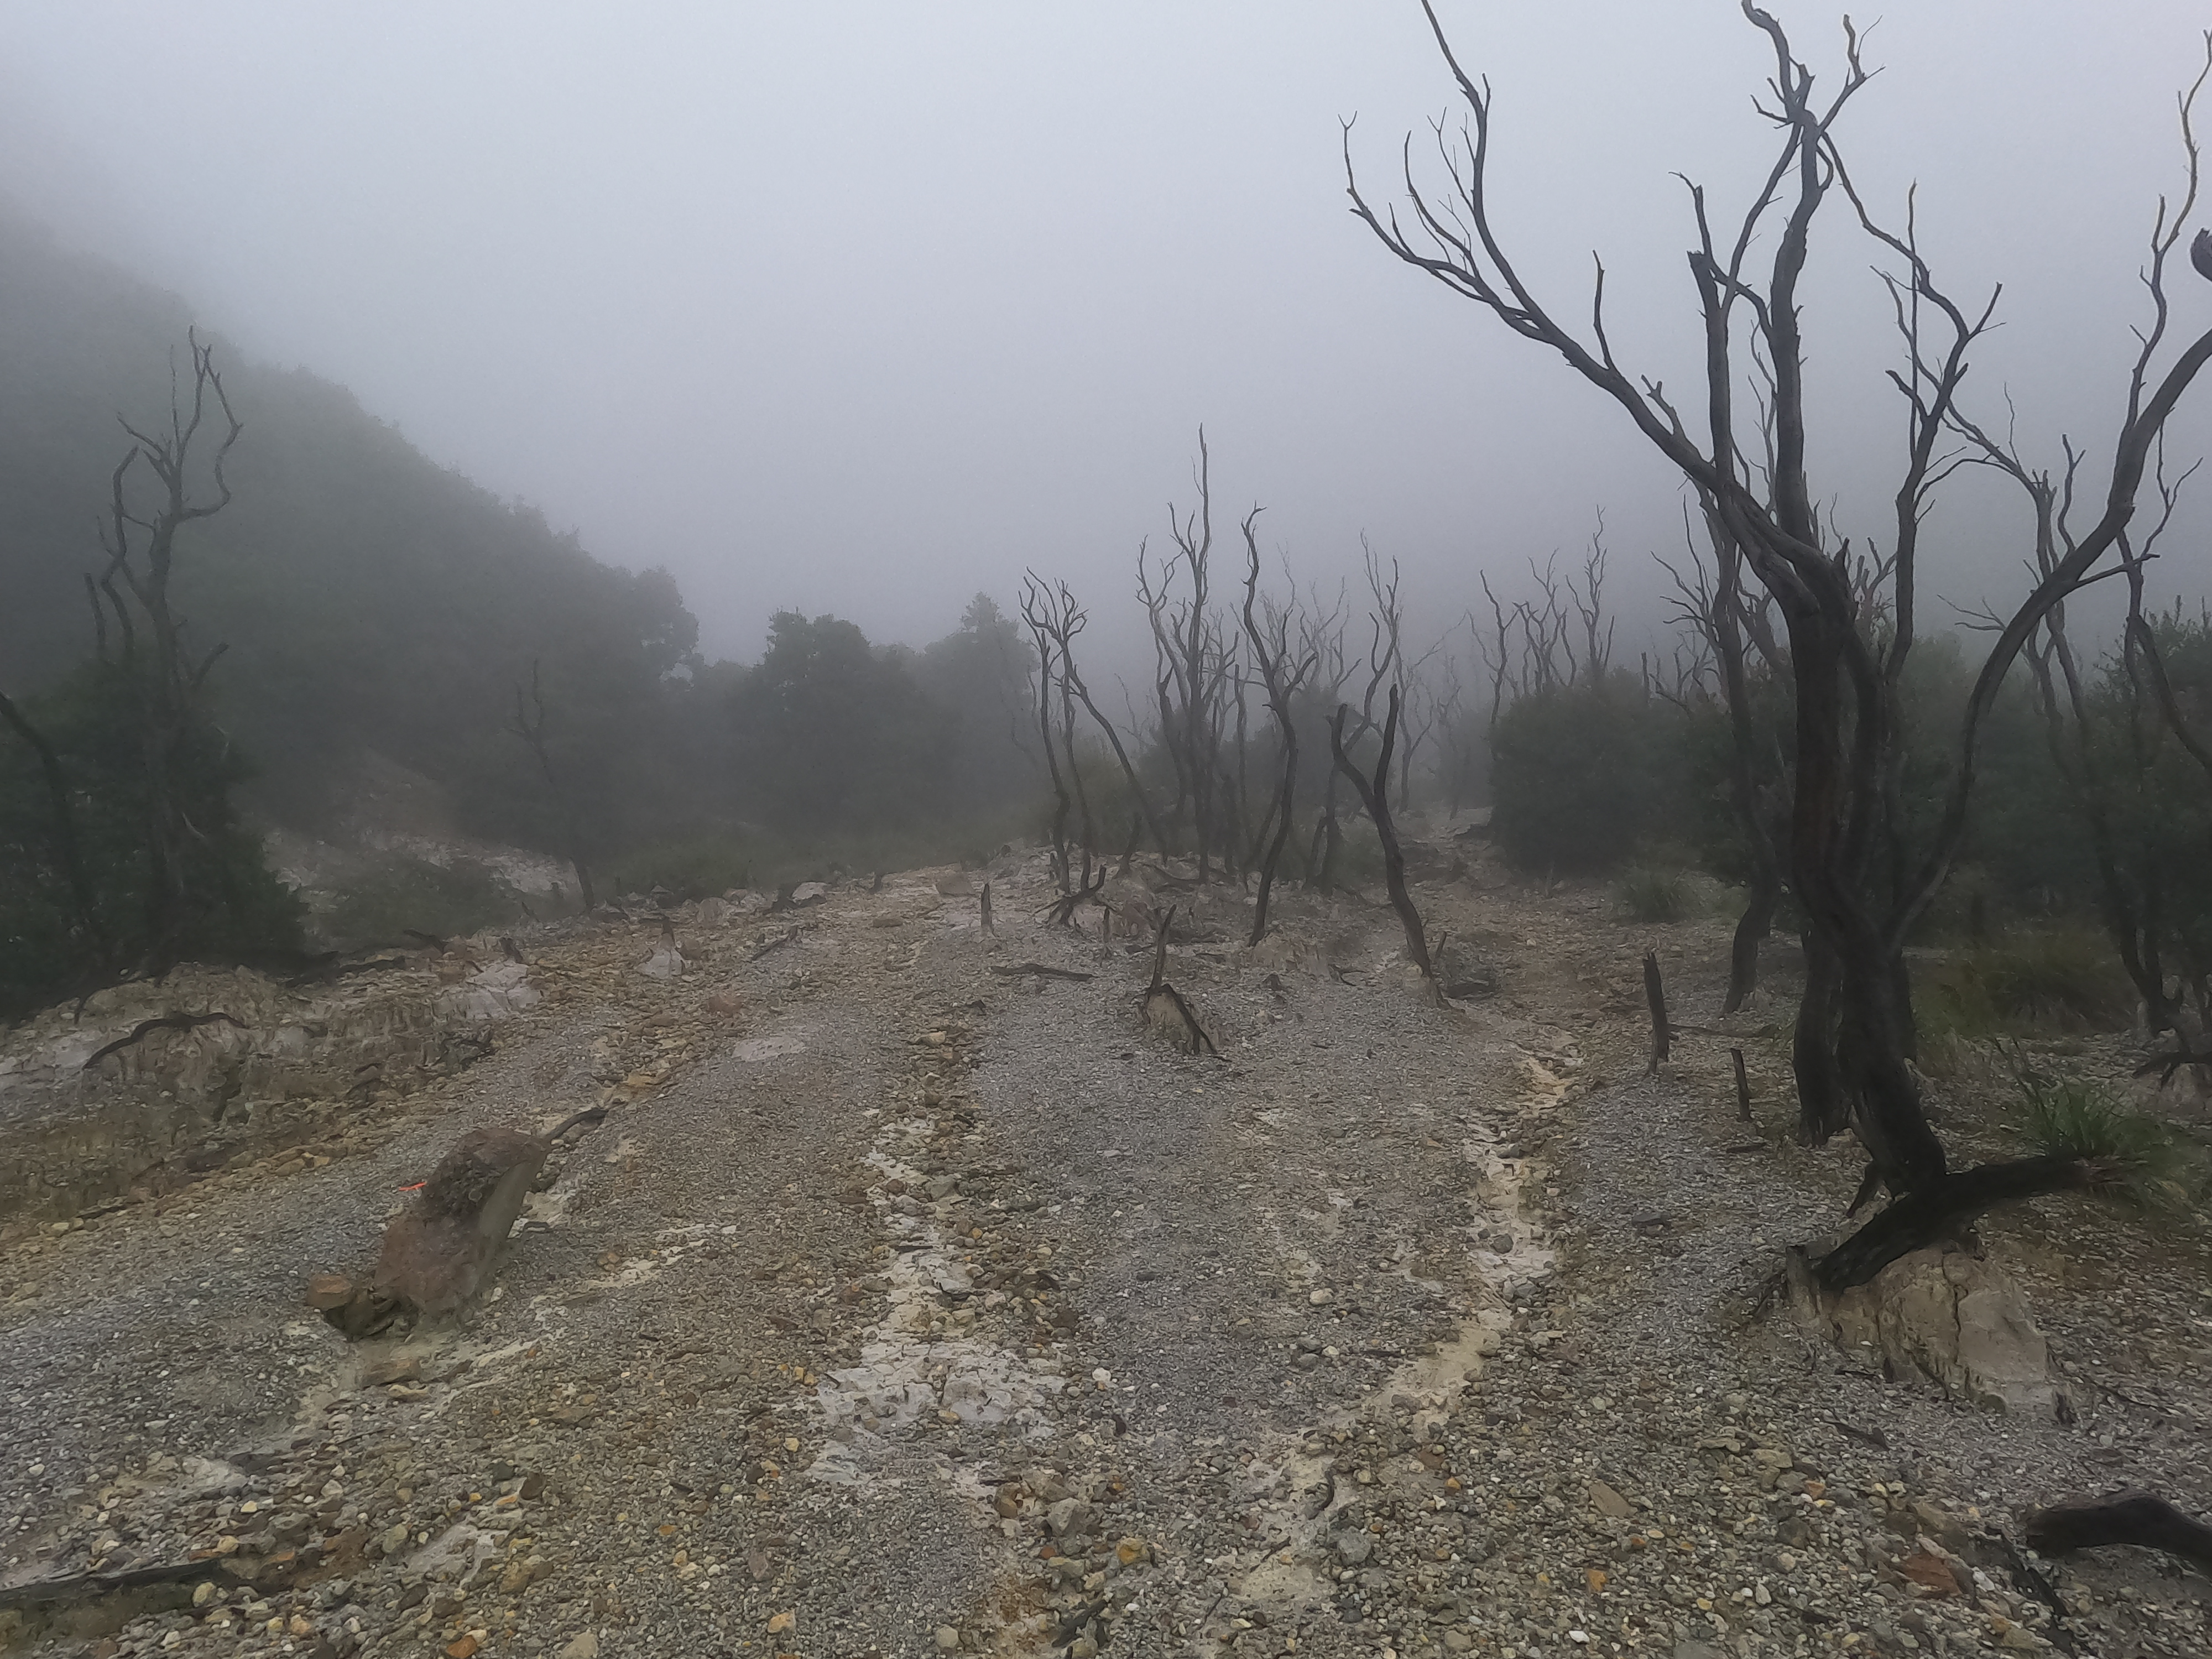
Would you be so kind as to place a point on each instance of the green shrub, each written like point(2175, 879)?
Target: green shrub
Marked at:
point(2073, 1118)
point(2064, 979)
point(1650, 893)
point(1581, 777)
point(693, 868)
point(413, 894)
point(229, 905)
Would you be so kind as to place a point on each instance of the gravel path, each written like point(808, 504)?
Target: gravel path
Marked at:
point(901, 1306)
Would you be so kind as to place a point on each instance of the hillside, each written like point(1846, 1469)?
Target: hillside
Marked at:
point(370, 598)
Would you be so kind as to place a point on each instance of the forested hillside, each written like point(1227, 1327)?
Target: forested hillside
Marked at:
point(371, 600)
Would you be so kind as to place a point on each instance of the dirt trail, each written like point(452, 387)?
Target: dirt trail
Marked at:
point(918, 1307)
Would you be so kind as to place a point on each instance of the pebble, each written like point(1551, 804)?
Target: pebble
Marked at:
point(583, 1645)
point(947, 1638)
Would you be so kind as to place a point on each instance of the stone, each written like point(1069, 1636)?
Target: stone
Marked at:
point(585, 1644)
point(203, 1593)
point(1606, 1501)
point(1071, 1517)
point(1930, 1574)
point(1458, 1641)
point(1943, 1316)
point(947, 1638)
point(517, 1577)
point(1352, 1547)
point(440, 1252)
point(779, 1622)
point(328, 1291)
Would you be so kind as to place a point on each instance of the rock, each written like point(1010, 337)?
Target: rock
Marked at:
point(711, 913)
point(517, 1577)
point(1606, 1501)
point(585, 1644)
point(726, 1005)
point(499, 991)
point(1932, 1574)
point(394, 1369)
point(393, 1540)
point(1695, 1651)
point(1944, 1315)
point(1071, 1517)
point(328, 1291)
point(778, 1623)
point(947, 1638)
point(810, 892)
point(203, 1593)
point(959, 884)
point(1352, 1546)
point(439, 1254)
point(1458, 1641)
point(666, 962)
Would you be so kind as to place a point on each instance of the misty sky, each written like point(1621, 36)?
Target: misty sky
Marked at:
point(864, 307)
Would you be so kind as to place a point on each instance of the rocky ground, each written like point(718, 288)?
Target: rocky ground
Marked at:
point(910, 1299)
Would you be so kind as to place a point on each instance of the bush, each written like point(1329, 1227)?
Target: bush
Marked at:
point(415, 895)
point(2059, 980)
point(2070, 1118)
point(230, 906)
point(1581, 777)
point(1649, 893)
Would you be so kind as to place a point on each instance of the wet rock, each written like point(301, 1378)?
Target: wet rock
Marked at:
point(440, 1252)
point(1943, 1316)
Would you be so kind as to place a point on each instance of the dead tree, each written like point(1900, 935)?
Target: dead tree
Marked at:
point(1375, 796)
point(1861, 886)
point(2131, 885)
point(1162, 1005)
point(1385, 658)
point(1194, 665)
point(1726, 618)
point(1064, 606)
point(1038, 611)
point(141, 545)
point(529, 725)
point(1283, 672)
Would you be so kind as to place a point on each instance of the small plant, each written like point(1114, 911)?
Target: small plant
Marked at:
point(2071, 1117)
point(1648, 893)
point(2063, 980)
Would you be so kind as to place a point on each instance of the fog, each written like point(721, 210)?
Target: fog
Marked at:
point(863, 308)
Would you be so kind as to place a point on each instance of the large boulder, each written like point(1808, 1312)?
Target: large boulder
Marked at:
point(1942, 1315)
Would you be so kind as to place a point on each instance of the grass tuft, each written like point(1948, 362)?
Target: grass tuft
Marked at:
point(2063, 980)
point(2071, 1117)
point(1648, 893)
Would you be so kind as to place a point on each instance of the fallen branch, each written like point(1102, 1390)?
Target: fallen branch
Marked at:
point(2141, 1518)
point(1927, 1214)
point(166, 1021)
point(1045, 970)
point(1061, 911)
point(790, 938)
point(1161, 991)
point(1742, 1088)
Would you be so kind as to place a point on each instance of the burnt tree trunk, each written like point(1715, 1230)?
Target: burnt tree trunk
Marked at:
point(1375, 797)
